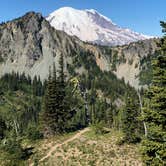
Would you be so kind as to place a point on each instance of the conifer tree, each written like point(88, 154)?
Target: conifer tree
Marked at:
point(61, 94)
point(130, 123)
point(92, 104)
point(63, 98)
point(57, 109)
point(109, 116)
point(48, 115)
point(154, 145)
point(2, 128)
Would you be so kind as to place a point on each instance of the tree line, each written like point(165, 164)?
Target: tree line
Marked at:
point(34, 109)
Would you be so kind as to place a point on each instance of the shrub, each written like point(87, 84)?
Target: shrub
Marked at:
point(98, 128)
point(12, 145)
point(33, 132)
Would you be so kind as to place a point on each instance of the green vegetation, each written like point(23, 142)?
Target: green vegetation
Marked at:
point(90, 149)
point(2, 128)
point(145, 76)
point(98, 127)
point(130, 122)
point(57, 107)
point(1, 59)
point(154, 145)
point(31, 111)
point(19, 108)
point(114, 58)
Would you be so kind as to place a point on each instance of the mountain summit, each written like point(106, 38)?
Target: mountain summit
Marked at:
point(91, 26)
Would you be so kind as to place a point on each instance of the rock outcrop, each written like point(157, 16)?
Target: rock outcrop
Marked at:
point(29, 44)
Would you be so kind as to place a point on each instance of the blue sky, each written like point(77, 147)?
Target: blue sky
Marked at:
point(139, 15)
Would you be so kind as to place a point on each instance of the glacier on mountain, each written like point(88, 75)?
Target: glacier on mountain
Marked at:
point(91, 26)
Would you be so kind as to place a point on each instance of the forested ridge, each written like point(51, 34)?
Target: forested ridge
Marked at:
point(33, 110)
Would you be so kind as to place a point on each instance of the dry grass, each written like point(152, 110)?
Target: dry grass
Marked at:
point(90, 150)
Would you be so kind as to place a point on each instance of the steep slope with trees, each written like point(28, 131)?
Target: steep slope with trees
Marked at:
point(29, 44)
point(77, 87)
point(154, 145)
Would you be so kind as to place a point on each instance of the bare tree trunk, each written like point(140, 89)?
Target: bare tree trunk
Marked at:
point(86, 107)
point(16, 127)
point(84, 95)
point(140, 102)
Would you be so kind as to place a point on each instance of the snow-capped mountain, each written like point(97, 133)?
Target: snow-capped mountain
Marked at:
point(91, 26)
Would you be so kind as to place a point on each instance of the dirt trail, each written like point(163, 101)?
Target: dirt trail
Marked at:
point(63, 143)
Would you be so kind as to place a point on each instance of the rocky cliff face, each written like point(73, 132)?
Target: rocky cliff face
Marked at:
point(127, 61)
point(29, 44)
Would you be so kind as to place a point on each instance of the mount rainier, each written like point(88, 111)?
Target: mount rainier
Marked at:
point(91, 26)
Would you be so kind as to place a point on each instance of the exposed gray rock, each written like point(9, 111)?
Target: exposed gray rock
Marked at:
point(29, 44)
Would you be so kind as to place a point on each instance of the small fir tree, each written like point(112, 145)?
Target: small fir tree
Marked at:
point(130, 122)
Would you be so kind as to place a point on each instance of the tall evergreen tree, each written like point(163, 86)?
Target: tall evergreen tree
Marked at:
point(154, 145)
point(57, 109)
point(65, 112)
point(48, 115)
point(61, 94)
point(2, 128)
point(130, 123)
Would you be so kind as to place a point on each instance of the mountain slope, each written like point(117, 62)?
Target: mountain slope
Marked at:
point(132, 62)
point(91, 26)
point(29, 44)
